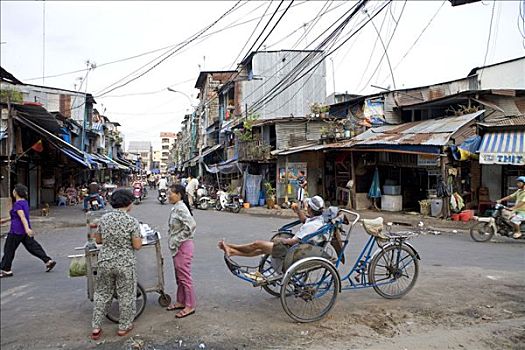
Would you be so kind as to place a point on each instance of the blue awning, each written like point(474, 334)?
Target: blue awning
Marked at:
point(74, 156)
point(505, 147)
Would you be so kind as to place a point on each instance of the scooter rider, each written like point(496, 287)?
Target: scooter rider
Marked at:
point(519, 206)
point(162, 184)
point(93, 189)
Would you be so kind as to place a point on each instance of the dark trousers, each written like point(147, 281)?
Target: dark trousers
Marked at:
point(11, 244)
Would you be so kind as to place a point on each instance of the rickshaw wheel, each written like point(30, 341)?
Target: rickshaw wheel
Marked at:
point(164, 299)
point(393, 272)
point(113, 312)
point(267, 270)
point(309, 290)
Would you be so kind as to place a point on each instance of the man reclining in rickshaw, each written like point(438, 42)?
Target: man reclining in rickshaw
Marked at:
point(311, 224)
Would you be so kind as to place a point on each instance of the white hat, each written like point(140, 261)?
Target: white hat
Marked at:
point(316, 203)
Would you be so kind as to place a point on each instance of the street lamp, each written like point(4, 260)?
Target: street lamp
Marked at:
point(183, 93)
point(192, 123)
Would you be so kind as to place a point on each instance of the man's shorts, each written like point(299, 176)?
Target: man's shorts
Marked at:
point(517, 219)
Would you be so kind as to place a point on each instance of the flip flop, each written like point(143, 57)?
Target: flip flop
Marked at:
point(173, 308)
point(50, 265)
point(184, 315)
point(96, 334)
point(6, 274)
point(124, 332)
point(517, 235)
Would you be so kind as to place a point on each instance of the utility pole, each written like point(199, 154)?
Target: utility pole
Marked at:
point(333, 75)
point(11, 138)
point(43, 41)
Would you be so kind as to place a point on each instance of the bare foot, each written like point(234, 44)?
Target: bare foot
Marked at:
point(223, 246)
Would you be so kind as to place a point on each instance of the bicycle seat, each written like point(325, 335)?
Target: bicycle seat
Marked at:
point(374, 227)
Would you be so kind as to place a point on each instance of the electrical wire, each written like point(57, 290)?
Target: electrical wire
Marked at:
point(228, 27)
point(387, 46)
point(490, 32)
point(255, 108)
point(251, 35)
point(172, 53)
point(306, 60)
point(291, 77)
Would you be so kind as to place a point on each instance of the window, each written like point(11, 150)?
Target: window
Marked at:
point(165, 147)
point(165, 140)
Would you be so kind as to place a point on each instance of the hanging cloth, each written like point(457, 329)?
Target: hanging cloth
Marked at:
point(375, 189)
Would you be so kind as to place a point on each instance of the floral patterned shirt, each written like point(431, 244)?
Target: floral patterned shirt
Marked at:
point(117, 229)
point(181, 226)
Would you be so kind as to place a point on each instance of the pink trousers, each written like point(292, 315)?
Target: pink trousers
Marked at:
point(182, 264)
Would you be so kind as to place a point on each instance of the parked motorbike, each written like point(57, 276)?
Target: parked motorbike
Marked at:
point(226, 201)
point(498, 224)
point(137, 193)
point(202, 200)
point(163, 196)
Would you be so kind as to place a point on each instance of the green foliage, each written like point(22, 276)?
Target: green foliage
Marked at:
point(269, 189)
point(245, 134)
point(10, 95)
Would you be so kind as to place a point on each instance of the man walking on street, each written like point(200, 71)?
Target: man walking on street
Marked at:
point(191, 188)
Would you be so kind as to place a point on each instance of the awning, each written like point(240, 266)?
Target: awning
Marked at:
point(503, 148)
point(67, 149)
point(229, 166)
point(38, 115)
point(115, 164)
point(210, 150)
point(298, 149)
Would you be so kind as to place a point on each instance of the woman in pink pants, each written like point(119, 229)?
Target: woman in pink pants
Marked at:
point(181, 231)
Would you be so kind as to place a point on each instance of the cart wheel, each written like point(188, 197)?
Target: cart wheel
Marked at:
point(113, 312)
point(164, 299)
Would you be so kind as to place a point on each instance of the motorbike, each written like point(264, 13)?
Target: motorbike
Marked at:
point(498, 224)
point(202, 200)
point(163, 196)
point(108, 191)
point(226, 201)
point(93, 203)
point(137, 193)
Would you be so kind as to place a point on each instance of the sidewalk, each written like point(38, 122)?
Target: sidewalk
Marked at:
point(396, 217)
point(59, 217)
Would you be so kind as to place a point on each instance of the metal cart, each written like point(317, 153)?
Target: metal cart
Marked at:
point(149, 266)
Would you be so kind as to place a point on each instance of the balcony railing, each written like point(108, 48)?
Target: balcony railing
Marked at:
point(254, 151)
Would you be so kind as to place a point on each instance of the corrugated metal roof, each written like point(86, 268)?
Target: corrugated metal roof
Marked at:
point(435, 132)
point(506, 121)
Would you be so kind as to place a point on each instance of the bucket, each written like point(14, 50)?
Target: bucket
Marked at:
point(455, 217)
point(246, 205)
point(466, 215)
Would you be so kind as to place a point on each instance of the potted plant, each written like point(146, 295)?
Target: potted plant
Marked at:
point(270, 194)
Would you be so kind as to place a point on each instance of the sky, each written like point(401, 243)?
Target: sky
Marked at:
point(42, 39)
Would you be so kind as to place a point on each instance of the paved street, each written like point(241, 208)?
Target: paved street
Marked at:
point(469, 295)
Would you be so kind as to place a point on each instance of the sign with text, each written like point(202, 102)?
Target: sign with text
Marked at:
point(502, 158)
point(427, 160)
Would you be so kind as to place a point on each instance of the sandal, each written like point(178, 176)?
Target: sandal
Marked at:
point(124, 332)
point(517, 235)
point(172, 307)
point(96, 334)
point(182, 314)
point(50, 265)
point(6, 274)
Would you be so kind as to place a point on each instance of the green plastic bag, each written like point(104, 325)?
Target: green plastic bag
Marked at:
point(78, 266)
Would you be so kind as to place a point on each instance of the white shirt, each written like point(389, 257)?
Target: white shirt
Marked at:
point(192, 186)
point(310, 226)
point(163, 184)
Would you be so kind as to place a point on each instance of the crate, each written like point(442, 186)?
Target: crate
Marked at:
point(392, 190)
point(391, 203)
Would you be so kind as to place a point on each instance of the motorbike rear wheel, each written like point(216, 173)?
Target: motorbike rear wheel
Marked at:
point(236, 207)
point(203, 205)
point(482, 232)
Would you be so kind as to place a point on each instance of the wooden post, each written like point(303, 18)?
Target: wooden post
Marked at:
point(11, 140)
point(286, 180)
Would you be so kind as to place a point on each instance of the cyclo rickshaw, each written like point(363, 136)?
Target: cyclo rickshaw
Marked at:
point(306, 275)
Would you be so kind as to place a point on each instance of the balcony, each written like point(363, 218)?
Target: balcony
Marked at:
point(257, 150)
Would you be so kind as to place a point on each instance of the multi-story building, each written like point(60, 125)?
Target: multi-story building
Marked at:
point(145, 152)
point(167, 140)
